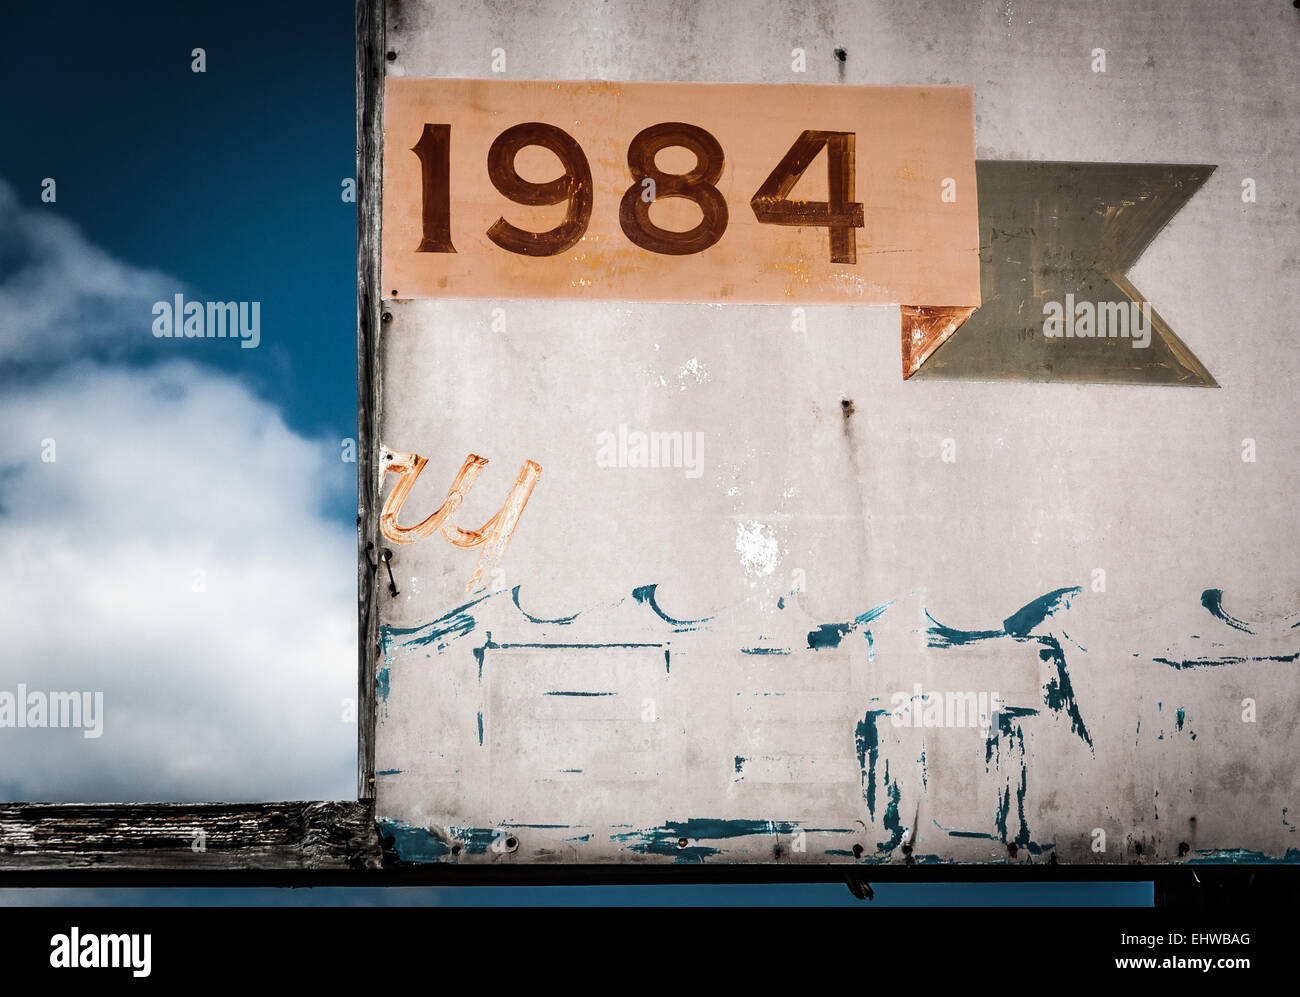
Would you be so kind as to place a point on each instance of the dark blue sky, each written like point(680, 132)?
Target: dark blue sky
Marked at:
point(228, 179)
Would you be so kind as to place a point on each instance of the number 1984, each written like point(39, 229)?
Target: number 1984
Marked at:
point(840, 215)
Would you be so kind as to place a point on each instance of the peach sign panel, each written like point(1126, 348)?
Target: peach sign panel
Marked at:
point(654, 191)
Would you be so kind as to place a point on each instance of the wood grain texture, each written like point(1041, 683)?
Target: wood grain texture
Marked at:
point(58, 837)
point(370, 56)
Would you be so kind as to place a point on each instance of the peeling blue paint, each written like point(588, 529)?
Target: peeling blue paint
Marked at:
point(1058, 693)
point(440, 632)
point(476, 840)
point(562, 646)
point(1212, 599)
point(873, 614)
point(1022, 837)
point(1233, 856)
point(645, 594)
point(867, 739)
point(490, 645)
point(561, 621)
point(1004, 808)
point(666, 840)
point(1029, 616)
point(941, 636)
point(1226, 660)
point(829, 635)
point(544, 826)
point(1018, 624)
point(1008, 724)
point(893, 824)
point(1007, 717)
point(413, 844)
point(1008, 735)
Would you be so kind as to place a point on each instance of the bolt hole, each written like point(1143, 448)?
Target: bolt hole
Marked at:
point(512, 842)
point(393, 292)
point(1183, 848)
point(1012, 849)
point(681, 842)
point(841, 54)
point(386, 317)
point(857, 851)
point(392, 56)
point(455, 849)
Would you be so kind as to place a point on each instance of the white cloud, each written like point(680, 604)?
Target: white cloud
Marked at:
point(61, 295)
point(234, 692)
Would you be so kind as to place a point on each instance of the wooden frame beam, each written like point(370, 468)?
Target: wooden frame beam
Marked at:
point(190, 837)
point(370, 78)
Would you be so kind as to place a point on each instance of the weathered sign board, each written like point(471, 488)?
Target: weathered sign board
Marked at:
point(685, 569)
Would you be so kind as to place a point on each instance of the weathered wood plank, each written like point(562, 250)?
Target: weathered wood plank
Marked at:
point(337, 844)
point(370, 61)
point(310, 836)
